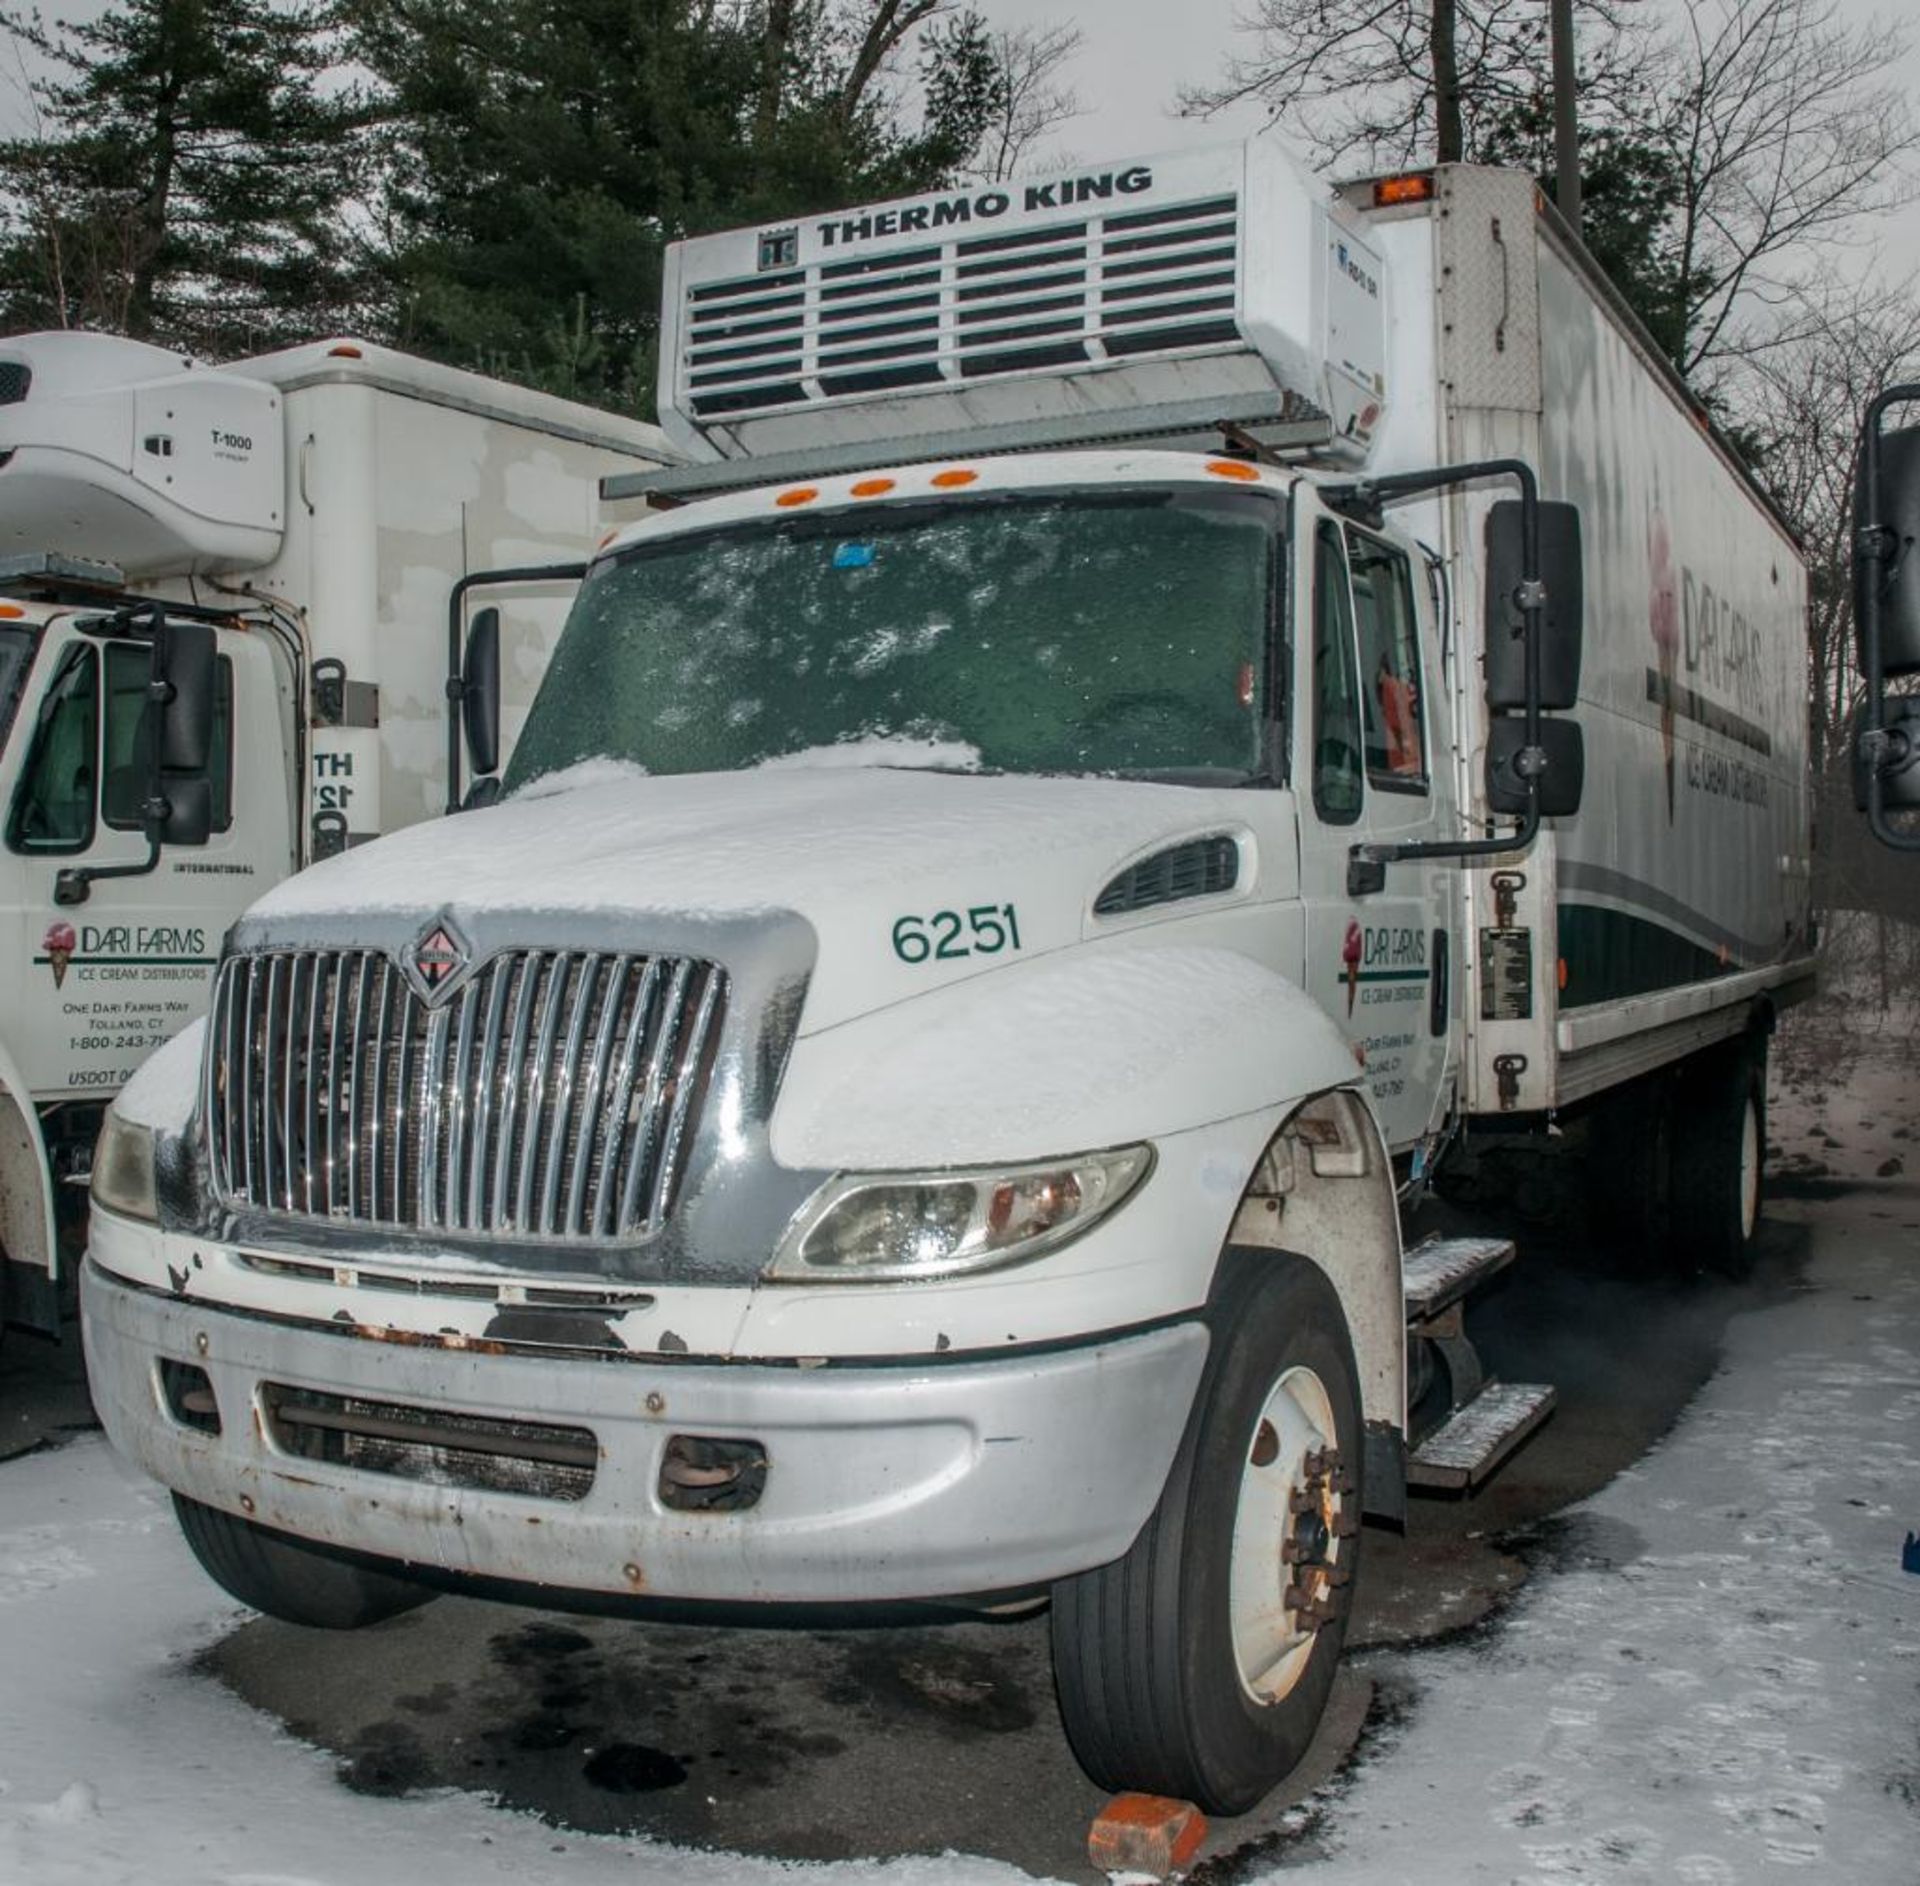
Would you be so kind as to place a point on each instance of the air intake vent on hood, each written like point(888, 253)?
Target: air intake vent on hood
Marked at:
point(1199, 868)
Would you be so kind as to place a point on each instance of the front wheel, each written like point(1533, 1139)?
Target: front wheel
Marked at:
point(289, 1579)
point(1198, 1665)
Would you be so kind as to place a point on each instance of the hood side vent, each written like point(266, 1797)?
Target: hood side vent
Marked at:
point(1202, 867)
point(16, 378)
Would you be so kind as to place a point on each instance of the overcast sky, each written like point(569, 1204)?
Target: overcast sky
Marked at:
point(1138, 53)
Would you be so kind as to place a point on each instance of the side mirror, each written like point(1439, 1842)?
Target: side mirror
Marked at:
point(1898, 757)
point(176, 739)
point(480, 691)
point(1561, 782)
point(1886, 597)
point(1887, 570)
point(180, 687)
point(1561, 628)
point(189, 815)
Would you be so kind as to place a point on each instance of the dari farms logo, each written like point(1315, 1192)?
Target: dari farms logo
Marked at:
point(439, 954)
point(135, 946)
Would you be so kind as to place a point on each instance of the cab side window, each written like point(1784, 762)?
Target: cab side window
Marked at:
point(1389, 665)
point(129, 738)
point(1337, 787)
point(53, 805)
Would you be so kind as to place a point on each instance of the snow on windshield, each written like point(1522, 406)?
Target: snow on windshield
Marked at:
point(1117, 632)
point(938, 756)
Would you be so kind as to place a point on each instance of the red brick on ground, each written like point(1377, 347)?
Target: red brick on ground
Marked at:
point(1146, 1833)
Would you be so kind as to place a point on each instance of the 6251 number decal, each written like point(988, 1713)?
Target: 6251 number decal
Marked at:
point(987, 929)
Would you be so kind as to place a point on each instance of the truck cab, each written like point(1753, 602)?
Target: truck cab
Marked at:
point(111, 959)
point(901, 1090)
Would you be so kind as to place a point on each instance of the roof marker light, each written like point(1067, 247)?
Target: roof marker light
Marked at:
point(11, 611)
point(873, 487)
point(607, 539)
point(799, 494)
point(1414, 186)
point(947, 480)
point(1233, 468)
point(345, 351)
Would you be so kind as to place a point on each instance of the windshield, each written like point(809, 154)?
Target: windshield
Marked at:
point(1119, 632)
point(16, 657)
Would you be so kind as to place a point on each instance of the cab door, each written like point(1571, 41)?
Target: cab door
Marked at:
point(104, 982)
point(1375, 765)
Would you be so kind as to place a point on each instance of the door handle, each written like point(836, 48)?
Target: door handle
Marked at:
point(1437, 986)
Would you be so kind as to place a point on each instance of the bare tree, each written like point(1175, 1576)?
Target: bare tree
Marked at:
point(1784, 139)
point(1031, 100)
point(1372, 82)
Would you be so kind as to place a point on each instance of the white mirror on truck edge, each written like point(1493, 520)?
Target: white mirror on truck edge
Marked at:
point(1886, 740)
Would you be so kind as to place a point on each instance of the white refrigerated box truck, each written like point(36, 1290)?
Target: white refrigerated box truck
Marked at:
point(1069, 810)
point(313, 508)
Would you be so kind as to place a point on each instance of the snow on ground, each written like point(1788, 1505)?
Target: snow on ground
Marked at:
point(120, 1766)
point(1718, 1684)
point(1729, 1690)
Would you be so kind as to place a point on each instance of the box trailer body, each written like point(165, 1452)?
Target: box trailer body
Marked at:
point(1638, 928)
point(1013, 871)
point(318, 504)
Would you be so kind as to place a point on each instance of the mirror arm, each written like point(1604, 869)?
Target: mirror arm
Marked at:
point(1366, 864)
point(1875, 543)
point(74, 884)
point(456, 613)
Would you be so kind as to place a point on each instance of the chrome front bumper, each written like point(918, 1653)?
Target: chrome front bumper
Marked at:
point(917, 1480)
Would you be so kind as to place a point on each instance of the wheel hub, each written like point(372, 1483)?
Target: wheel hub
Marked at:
point(1291, 1564)
point(1318, 1580)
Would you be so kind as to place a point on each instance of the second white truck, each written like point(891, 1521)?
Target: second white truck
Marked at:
point(1171, 700)
point(313, 512)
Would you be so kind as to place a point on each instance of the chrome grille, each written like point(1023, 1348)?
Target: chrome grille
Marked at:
point(1128, 282)
point(555, 1094)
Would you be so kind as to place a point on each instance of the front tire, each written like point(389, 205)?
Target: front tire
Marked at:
point(1199, 1664)
point(289, 1579)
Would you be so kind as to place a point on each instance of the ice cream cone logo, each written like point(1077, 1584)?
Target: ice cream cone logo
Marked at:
point(59, 944)
point(1663, 612)
point(1350, 956)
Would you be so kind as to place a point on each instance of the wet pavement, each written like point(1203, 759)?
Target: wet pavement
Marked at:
point(827, 1744)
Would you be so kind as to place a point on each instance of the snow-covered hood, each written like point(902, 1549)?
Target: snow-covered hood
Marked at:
point(870, 857)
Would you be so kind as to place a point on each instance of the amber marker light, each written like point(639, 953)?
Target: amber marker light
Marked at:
point(800, 494)
point(948, 480)
point(11, 612)
point(1416, 186)
point(604, 541)
point(1234, 468)
point(873, 487)
point(344, 352)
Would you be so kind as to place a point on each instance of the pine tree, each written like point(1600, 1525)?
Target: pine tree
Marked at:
point(540, 155)
point(191, 179)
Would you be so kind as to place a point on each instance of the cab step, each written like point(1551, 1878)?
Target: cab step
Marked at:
point(1437, 1272)
point(1476, 1438)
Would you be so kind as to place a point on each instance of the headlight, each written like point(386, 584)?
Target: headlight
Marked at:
point(890, 1227)
point(123, 1169)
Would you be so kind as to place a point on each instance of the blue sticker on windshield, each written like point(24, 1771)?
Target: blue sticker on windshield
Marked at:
point(852, 556)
